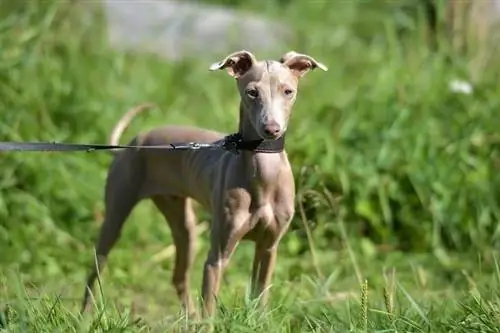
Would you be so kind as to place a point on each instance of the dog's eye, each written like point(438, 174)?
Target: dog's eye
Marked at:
point(288, 92)
point(253, 93)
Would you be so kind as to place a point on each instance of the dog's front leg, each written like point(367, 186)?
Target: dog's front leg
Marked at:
point(262, 271)
point(266, 252)
point(223, 241)
point(212, 272)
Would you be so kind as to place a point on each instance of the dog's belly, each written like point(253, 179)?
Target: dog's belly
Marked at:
point(183, 173)
point(175, 174)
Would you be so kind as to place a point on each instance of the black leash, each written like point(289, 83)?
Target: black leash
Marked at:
point(57, 146)
point(232, 143)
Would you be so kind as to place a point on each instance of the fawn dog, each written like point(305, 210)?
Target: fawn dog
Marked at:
point(250, 195)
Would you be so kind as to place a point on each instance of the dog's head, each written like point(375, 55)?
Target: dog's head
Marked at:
point(268, 88)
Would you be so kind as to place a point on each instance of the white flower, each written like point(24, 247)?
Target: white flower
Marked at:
point(460, 87)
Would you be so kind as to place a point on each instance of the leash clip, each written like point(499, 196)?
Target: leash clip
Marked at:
point(194, 145)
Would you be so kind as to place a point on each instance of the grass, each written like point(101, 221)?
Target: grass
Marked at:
point(397, 177)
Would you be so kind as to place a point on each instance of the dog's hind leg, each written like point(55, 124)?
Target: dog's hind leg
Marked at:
point(120, 200)
point(182, 221)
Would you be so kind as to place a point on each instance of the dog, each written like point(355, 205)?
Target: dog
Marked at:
point(251, 195)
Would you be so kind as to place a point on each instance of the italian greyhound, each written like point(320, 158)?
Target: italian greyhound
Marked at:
point(250, 194)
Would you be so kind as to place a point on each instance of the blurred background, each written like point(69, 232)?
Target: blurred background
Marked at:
point(395, 149)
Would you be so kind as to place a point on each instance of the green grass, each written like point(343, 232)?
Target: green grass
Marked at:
point(394, 173)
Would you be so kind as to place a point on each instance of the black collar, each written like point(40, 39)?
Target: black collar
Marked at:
point(235, 142)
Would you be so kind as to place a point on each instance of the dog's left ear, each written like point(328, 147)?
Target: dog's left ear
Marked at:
point(236, 64)
point(300, 63)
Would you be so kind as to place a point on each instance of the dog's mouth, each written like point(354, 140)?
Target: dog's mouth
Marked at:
point(272, 137)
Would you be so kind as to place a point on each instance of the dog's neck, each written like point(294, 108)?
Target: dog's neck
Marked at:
point(263, 159)
point(252, 142)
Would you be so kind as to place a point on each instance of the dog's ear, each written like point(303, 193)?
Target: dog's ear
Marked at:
point(300, 63)
point(236, 64)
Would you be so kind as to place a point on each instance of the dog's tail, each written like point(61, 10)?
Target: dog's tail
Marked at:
point(125, 120)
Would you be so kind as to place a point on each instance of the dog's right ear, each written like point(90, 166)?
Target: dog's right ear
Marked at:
point(300, 63)
point(236, 64)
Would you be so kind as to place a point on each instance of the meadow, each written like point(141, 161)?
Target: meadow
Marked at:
point(397, 177)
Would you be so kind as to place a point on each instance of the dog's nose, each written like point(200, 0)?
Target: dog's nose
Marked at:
point(272, 128)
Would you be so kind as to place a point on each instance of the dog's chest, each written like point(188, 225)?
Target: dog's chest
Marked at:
point(271, 217)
